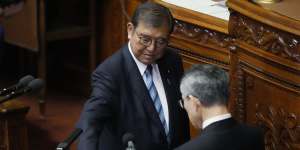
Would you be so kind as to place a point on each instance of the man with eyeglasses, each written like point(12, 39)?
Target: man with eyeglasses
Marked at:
point(205, 92)
point(136, 90)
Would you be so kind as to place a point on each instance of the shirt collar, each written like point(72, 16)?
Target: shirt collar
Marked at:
point(214, 119)
point(142, 67)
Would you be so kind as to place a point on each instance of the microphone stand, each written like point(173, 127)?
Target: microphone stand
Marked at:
point(67, 142)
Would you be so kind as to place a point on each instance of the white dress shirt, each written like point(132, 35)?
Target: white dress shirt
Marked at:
point(214, 119)
point(157, 82)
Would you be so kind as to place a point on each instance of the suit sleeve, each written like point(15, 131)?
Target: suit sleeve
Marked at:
point(97, 110)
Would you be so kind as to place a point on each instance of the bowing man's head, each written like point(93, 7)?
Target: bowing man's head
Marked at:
point(205, 92)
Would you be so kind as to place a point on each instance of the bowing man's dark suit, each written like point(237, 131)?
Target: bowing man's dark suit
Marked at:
point(226, 135)
point(120, 103)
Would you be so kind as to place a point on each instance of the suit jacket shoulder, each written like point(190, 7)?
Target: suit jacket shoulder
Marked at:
point(229, 135)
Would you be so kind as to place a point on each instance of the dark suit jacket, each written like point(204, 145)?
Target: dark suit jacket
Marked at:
point(120, 103)
point(226, 135)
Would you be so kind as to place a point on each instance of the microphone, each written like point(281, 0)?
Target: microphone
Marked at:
point(33, 86)
point(128, 140)
point(22, 83)
point(67, 142)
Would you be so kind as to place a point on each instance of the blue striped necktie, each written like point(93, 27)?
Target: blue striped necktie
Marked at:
point(155, 98)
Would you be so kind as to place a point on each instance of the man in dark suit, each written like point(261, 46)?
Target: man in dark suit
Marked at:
point(136, 90)
point(204, 91)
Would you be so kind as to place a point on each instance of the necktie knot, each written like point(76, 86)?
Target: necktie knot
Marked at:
point(149, 68)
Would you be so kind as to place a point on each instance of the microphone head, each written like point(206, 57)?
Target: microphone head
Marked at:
point(35, 85)
point(127, 137)
point(24, 81)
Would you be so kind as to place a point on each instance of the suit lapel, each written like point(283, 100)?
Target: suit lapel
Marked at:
point(140, 91)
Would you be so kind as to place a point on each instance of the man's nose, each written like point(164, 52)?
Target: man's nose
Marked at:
point(152, 46)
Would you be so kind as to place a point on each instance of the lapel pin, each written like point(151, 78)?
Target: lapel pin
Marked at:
point(168, 80)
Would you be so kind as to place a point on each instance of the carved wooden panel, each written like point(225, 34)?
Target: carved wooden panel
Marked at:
point(200, 45)
point(267, 38)
point(189, 58)
point(200, 35)
point(282, 127)
point(263, 98)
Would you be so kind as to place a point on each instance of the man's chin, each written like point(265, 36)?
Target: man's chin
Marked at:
point(147, 61)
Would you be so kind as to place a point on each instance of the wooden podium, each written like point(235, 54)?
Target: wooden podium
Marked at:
point(13, 129)
point(265, 71)
point(260, 47)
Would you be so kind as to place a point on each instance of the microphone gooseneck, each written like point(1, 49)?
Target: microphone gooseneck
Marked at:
point(68, 141)
point(33, 86)
point(23, 82)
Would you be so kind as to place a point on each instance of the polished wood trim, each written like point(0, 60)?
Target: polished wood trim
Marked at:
point(265, 16)
point(194, 58)
point(269, 56)
point(269, 77)
point(265, 37)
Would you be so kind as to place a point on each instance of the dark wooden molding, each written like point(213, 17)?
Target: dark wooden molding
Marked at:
point(240, 111)
point(202, 58)
point(267, 76)
point(266, 16)
point(265, 37)
point(200, 35)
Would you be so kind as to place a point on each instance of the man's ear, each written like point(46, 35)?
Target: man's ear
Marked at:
point(130, 30)
point(197, 103)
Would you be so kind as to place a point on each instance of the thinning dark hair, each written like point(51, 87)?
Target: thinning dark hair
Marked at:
point(152, 14)
point(208, 83)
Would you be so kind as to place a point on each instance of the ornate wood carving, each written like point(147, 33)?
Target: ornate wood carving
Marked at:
point(203, 58)
point(240, 98)
point(200, 35)
point(249, 82)
point(282, 128)
point(265, 37)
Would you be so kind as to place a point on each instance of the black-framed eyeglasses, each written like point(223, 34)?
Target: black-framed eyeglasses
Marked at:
point(147, 40)
point(181, 103)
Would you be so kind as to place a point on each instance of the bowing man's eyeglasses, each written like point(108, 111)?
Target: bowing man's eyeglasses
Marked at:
point(181, 101)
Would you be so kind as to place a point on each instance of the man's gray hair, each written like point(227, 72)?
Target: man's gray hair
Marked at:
point(208, 83)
